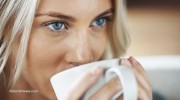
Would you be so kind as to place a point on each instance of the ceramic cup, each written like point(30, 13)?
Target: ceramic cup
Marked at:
point(62, 81)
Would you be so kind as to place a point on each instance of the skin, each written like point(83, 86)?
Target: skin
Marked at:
point(81, 41)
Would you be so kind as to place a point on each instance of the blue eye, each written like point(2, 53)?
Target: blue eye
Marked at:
point(56, 26)
point(99, 22)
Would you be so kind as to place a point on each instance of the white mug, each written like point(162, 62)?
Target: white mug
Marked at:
point(61, 81)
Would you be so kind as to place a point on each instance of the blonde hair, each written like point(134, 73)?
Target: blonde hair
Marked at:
point(119, 37)
point(16, 22)
point(16, 19)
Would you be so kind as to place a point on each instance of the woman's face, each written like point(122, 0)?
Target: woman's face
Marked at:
point(65, 33)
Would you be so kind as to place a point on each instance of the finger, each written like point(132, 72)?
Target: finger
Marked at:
point(108, 90)
point(143, 87)
point(142, 95)
point(77, 89)
point(140, 72)
point(125, 62)
point(142, 78)
point(143, 83)
point(135, 63)
point(120, 97)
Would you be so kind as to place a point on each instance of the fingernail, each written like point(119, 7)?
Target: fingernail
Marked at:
point(133, 59)
point(96, 70)
point(118, 82)
point(126, 62)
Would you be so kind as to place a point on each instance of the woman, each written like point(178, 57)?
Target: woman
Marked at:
point(42, 38)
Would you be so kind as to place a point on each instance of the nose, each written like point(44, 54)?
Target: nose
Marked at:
point(81, 51)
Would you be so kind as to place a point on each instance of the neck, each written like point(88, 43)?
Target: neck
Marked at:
point(23, 91)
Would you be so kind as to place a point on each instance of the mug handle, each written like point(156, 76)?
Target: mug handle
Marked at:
point(127, 79)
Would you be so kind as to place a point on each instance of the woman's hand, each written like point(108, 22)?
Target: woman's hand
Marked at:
point(89, 78)
point(144, 85)
point(77, 89)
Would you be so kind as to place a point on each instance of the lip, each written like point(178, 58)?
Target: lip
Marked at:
point(66, 67)
point(70, 66)
point(62, 68)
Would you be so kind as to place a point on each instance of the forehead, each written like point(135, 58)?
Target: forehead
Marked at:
point(75, 8)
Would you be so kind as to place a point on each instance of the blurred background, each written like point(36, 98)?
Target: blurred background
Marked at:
point(154, 26)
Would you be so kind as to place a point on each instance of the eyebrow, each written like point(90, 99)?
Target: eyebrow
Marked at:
point(111, 10)
point(55, 14)
point(63, 16)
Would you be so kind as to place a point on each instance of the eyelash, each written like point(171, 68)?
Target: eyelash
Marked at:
point(66, 25)
point(107, 19)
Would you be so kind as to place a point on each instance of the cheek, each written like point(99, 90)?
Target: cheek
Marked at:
point(99, 45)
point(43, 54)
